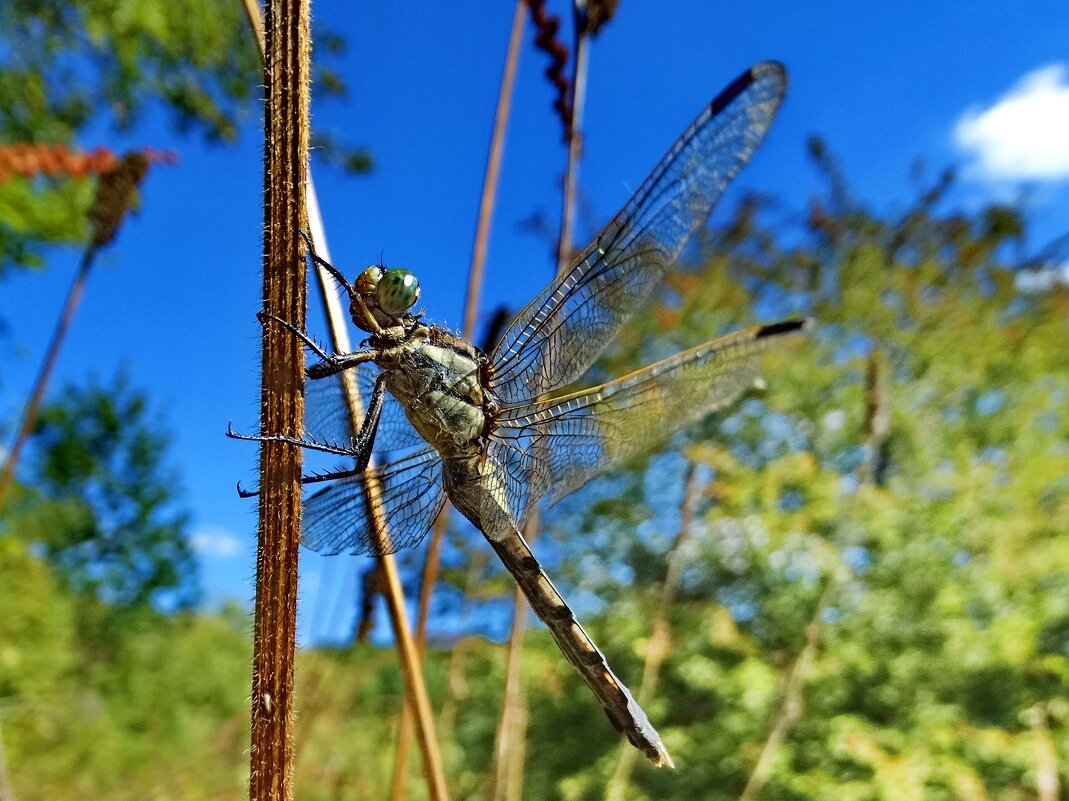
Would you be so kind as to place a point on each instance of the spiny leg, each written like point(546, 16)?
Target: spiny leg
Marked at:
point(306, 340)
point(329, 364)
point(360, 450)
point(335, 273)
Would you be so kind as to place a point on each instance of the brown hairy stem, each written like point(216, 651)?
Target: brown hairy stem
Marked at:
point(412, 670)
point(286, 77)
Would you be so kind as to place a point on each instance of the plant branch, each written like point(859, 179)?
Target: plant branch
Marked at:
point(286, 81)
point(660, 642)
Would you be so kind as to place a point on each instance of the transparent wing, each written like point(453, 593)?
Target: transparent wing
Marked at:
point(555, 446)
point(326, 416)
point(563, 330)
point(407, 495)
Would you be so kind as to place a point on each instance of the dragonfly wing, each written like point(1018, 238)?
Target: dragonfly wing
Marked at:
point(556, 446)
point(326, 416)
point(402, 498)
point(563, 330)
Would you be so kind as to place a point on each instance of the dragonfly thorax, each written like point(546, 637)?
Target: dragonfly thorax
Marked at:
point(435, 376)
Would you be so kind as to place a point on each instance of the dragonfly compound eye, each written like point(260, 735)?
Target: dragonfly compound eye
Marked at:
point(397, 291)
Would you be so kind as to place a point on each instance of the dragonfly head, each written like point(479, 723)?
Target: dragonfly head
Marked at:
point(384, 294)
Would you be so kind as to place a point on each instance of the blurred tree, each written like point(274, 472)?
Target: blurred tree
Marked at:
point(70, 66)
point(926, 584)
point(872, 600)
point(102, 505)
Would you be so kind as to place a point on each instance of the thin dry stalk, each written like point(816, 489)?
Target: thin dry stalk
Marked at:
point(471, 308)
point(493, 169)
point(790, 708)
point(411, 665)
point(454, 672)
point(575, 149)
point(409, 654)
point(660, 642)
point(286, 80)
point(510, 741)
point(256, 22)
point(1046, 755)
point(404, 731)
point(7, 791)
point(115, 191)
point(40, 384)
point(877, 419)
point(511, 735)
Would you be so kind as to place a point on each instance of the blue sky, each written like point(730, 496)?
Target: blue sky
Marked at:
point(983, 86)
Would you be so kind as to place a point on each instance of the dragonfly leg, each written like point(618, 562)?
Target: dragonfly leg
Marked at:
point(306, 340)
point(365, 437)
point(360, 448)
point(332, 365)
point(329, 364)
point(310, 444)
point(319, 261)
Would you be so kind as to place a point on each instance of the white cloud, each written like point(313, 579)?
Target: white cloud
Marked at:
point(1025, 135)
point(215, 542)
point(1042, 279)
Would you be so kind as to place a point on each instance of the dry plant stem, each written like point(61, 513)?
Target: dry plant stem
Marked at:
point(7, 792)
point(660, 636)
point(409, 654)
point(1046, 755)
point(256, 22)
point(457, 688)
point(286, 76)
point(510, 738)
point(510, 742)
point(404, 731)
point(411, 666)
point(59, 334)
point(786, 716)
point(877, 425)
point(790, 708)
point(877, 429)
point(471, 310)
point(493, 169)
point(114, 192)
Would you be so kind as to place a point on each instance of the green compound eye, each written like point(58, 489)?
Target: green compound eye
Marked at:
point(398, 290)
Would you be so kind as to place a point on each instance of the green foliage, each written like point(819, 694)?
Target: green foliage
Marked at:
point(69, 62)
point(101, 509)
point(890, 601)
point(161, 712)
point(67, 65)
point(932, 563)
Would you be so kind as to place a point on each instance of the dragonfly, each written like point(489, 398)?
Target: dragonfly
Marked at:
point(485, 429)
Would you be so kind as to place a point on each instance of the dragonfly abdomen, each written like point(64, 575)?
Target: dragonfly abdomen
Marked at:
point(478, 489)
point(620, 706)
